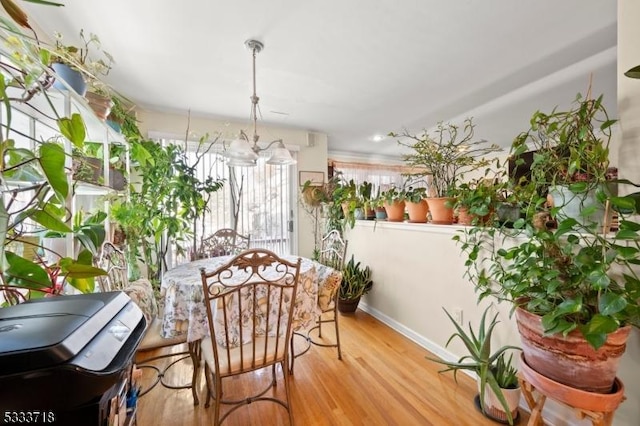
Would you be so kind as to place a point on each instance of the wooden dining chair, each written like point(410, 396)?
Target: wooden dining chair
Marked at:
point(333, 251)
point(223, 242)
point(141, 292)
point(250, 302)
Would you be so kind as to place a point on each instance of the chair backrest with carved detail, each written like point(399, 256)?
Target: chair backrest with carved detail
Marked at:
point(113, 260)
point(223, 242)
point(333, 250)
point(250, 302)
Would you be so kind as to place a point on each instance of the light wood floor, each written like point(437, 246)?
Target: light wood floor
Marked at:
point(382, 379)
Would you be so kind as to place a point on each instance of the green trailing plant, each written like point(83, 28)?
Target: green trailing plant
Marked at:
point(575, 275)
point(445, 154)
point(356, 280)
point(571, 147)
point(490, 366)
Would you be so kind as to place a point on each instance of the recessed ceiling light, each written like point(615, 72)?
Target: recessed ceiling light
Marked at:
point(377, 138)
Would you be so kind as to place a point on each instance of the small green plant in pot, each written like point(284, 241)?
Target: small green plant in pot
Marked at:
point(496, 374)
point(356, 282)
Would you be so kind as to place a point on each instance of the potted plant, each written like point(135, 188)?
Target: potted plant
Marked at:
point(75, 65)
point(416, 203)
point(393, 200)
point(444, 155)
point(476, 201)
point(356, 282)
point(498, 389)
point(364, 200)
point(571, 158)
point(377, 203)
point(575, 289)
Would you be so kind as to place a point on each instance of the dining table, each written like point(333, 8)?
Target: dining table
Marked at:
point(185, 311)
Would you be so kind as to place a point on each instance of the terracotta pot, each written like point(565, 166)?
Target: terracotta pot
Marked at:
point(464, 217)
point(467, 219)
point(345, 208)
point(592, 401)
point(418, 211)
point(101, 105)
point(571, 360)
point(395, 211)
point(369, 213)
point(440, 213)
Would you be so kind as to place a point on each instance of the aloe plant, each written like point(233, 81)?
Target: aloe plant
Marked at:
point(489, 365)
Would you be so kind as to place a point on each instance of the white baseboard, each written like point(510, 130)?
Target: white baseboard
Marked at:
point(552, 411)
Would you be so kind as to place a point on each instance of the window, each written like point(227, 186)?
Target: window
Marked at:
point(255, 199)
point(381, 176)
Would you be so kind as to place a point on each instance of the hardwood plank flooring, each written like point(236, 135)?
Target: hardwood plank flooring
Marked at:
point(382, 379)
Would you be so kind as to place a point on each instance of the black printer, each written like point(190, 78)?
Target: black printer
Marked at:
point(67, 356)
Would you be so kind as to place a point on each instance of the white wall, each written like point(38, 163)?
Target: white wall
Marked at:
point(418, 270)
point(312, 155)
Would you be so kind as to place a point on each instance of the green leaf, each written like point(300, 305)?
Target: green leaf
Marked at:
point(24, 272)
point(600, 324)
point(633, 72)
point(51, 160)
point(49, 221)
point(73, 129)
point(611, 303)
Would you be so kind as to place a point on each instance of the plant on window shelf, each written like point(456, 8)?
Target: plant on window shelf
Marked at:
point(445, 154)
point(83, 58)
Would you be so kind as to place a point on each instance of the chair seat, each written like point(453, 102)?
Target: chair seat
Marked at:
point(153, 339)
point(262, 357)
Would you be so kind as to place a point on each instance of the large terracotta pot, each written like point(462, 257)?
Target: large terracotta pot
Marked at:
point(418, 211)
point(440, 213)
point(571, 360)
point(395, 211)
point(573, 397)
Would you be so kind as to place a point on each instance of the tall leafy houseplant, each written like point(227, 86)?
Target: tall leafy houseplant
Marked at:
point(445, 154)
point(36, 174)
point(573, 281)
point(164, 207)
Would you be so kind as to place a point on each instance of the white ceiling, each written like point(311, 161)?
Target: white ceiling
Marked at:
point(354, 68)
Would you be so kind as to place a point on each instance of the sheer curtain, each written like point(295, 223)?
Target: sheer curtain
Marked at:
point(380, 175)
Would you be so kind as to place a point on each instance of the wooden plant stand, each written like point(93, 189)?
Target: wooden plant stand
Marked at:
point(597, 407)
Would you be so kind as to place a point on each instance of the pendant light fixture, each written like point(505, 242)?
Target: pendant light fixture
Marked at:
point(244, 151)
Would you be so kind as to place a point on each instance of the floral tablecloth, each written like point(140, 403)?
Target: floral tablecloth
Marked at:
point(185, 310)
